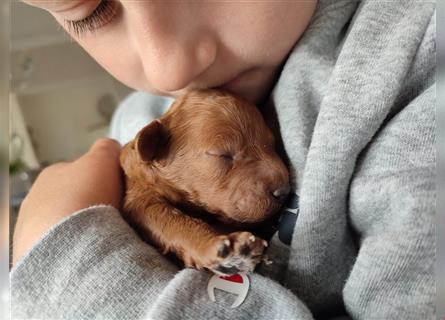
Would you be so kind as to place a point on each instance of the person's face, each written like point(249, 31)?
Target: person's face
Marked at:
point(170, 47)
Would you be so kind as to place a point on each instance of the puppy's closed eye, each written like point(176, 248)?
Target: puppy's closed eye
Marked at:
point(224, 155)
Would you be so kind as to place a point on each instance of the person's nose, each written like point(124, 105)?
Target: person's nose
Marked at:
point(173, 62)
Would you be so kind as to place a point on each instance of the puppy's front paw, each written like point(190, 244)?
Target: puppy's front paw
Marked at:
point(237, 252)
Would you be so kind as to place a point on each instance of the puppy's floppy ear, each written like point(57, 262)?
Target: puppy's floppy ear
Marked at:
point(151, 140)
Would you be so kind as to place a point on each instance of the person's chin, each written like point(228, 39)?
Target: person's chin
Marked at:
point(249, 88)
point(252, 95)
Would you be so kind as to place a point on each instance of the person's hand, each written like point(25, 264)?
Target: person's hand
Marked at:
point(64, 188)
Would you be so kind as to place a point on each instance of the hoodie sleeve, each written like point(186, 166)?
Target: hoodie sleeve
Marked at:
point(92, 265)
point(392, 209)
point(89, 265)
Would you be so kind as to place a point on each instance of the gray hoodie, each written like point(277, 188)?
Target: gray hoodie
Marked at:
point(355, 105)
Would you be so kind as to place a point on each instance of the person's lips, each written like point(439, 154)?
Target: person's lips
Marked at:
point(230, 86)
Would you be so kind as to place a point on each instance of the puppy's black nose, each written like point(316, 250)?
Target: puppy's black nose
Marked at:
point(281, 193)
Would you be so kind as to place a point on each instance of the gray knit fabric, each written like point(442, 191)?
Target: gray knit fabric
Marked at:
point(356, 108)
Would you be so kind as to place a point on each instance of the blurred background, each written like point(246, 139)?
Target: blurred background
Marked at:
point(4, 217)
point(60, 99)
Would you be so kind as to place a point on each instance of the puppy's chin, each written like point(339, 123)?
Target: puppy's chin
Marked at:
point(240, 214)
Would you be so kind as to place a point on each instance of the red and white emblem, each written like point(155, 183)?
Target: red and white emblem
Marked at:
point(237, 284)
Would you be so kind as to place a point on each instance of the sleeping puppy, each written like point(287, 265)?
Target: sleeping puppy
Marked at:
point(210, 158)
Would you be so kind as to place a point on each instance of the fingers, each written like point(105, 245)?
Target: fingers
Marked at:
point(104, 150)
point(106, 144)
point(101, 168)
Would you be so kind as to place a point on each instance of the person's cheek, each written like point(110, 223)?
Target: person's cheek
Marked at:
point(113, 48)
point(117, 56)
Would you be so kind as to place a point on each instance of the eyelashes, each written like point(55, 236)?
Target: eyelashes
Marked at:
point(102, 15)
